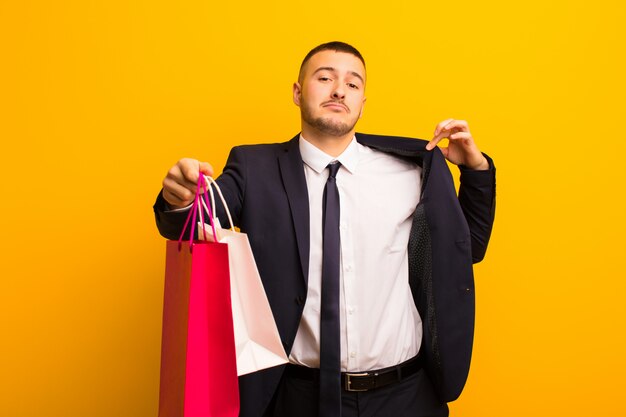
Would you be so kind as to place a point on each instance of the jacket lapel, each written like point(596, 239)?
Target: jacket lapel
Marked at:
point(292, 173)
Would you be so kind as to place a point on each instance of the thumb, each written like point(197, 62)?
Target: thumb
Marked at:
point(206, 169)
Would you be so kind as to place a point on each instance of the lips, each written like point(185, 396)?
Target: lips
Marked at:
point(336, 105)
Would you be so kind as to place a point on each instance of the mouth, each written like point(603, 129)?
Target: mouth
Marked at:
point(334, 105)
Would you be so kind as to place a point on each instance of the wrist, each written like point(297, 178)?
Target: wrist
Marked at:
point(481, 165)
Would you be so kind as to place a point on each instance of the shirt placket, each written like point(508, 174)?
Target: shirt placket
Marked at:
point(348, 278)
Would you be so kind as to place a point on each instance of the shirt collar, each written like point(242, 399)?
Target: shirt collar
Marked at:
point(318, 160)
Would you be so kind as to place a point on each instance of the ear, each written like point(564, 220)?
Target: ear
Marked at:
point(297, 93)
point(362, 107)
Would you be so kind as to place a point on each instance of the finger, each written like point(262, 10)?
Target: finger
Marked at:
point(440, 126)
point(465, 137)
point(444, 151)
point(175, 201)
point(206, 169)
point(190, 169)
point(457, 124)
point(176, 175)
point(440, 132)
point(448, 130)
point(434, 141)
point(176, 194)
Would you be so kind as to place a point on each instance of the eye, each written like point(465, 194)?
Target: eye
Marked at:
point(324, 79)
point(353, 86)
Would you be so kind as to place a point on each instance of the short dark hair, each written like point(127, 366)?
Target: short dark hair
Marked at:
point(336, 46)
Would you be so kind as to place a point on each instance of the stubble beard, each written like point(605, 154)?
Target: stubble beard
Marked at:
point(326, 125)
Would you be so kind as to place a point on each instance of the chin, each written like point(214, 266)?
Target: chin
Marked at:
point(333, 127)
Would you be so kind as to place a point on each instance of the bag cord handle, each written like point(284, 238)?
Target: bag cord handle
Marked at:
point(200, 199)
point(213, 183)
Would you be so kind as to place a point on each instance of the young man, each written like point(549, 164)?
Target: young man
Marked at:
point(364, 249)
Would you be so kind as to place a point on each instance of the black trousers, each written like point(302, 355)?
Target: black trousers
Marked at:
point(411, 397)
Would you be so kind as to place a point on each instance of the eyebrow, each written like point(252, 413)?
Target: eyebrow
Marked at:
point(356, 74)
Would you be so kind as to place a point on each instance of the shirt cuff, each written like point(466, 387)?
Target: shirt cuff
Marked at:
point(478, 177)
point(169, 209)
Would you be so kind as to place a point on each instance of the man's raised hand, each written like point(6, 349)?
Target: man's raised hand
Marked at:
point(462, 149)
point(179, 185)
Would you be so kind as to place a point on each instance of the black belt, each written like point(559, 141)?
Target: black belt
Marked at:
point(361, 381)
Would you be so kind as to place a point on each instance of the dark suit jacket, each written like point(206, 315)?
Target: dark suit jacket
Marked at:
point(266, 190)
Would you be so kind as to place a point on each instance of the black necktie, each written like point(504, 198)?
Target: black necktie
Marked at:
point(330, 345)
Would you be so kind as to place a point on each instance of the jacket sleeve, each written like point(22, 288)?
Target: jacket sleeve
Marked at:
point(170, 223)
point(477, 195)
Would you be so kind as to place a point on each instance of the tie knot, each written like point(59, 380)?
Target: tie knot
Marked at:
point(333, 168)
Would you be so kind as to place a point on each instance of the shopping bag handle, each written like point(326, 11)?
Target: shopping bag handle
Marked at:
point(199, 199)
point(212, 182)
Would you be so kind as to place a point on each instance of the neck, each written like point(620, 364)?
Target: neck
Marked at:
point(329, 144)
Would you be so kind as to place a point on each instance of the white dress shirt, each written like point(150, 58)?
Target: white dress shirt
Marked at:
point(378, 193)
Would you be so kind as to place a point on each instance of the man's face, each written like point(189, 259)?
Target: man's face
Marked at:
point(331, 92)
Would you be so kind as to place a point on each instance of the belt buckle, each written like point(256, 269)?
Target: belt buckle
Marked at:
point(348, 382)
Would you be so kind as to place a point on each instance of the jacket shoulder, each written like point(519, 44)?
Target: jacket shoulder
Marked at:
point(268, 148)
point(391, 142)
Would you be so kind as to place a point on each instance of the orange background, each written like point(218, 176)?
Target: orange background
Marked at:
point(99, 99)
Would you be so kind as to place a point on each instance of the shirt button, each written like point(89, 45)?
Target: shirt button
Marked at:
point(353, 354)
point(351, 310)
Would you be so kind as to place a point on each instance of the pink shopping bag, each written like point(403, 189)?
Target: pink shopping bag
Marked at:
point(198, 361)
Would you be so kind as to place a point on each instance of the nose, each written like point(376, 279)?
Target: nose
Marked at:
point(338, 92)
